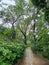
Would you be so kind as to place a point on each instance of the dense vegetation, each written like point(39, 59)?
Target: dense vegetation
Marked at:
point(11, 50)
point(42, 44)
point(29, 26)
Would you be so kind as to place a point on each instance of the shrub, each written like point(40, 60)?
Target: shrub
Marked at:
point(10, 52)
point(42, 44)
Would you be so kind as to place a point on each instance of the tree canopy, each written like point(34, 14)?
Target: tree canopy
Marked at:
point(23, 24)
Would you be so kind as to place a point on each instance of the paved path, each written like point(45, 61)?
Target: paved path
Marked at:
point(31, 59)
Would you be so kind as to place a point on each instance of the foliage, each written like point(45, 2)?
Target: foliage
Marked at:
point(20, 16)
point(39, 3)
point(42, 44)
point(10, 52)
point(47, 14)
point(2, 29)
point(10, 33)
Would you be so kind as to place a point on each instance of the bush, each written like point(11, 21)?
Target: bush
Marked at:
point(42, 44)
point(10, 52)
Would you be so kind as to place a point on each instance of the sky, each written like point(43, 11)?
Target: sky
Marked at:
point(8, 2)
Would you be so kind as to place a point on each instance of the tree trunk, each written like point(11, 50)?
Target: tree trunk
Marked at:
point(24, 34)
point(34, 32)
point(13, 32)
point(34, 27)
point(25, 39)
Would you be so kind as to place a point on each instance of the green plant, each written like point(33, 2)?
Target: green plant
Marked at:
point(42, 44)
point(10, 52)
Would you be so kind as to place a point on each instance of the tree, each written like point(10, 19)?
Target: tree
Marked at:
point(15, 14)
point(10, 15)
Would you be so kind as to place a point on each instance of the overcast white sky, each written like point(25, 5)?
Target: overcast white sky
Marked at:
point(9, 2)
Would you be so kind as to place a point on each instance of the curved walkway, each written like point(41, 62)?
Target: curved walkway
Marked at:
point(32, 59)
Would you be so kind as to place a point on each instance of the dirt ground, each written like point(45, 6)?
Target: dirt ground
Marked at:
point(32, 59)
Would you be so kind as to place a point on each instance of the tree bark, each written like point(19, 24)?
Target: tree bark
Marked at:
point(34, 32)
point(24, 34)
point(13, 32)
point(25, 38)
